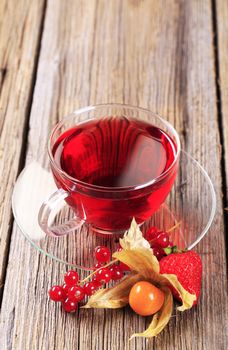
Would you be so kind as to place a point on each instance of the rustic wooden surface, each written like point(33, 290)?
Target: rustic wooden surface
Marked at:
point(20, 30)
point(222, 64)
point(160, 55)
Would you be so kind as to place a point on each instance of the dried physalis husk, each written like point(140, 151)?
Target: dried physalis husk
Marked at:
point(138, 255)
point(186, 297)
point(133, 238)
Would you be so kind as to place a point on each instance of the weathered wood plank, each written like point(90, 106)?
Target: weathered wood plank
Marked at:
point(19, 40)
point(138, 52)
point(222, 27)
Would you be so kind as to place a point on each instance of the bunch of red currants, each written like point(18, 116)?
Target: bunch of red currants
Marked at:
point(74, 291)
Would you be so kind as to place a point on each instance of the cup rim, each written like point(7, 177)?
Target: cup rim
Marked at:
point(106, 188)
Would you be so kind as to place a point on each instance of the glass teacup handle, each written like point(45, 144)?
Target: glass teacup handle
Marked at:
point(49, 210)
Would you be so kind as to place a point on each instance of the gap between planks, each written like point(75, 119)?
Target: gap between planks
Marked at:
point(220, 121)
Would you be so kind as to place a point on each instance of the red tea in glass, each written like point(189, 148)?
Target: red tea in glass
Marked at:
point(121, 155)
point(110, 163)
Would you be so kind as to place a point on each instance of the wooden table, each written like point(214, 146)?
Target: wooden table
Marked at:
point(169, 56)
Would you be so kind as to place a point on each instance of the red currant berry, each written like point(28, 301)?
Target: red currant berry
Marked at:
point(116, 272)
point(90, 288)
point(151, 233)
point(69, 305)
point(97, 284)
point(158, 252)
point(97, 266)
point(162, 239)
point(103, 275)
point(102, 254)
point(57, 293)
point(76, 293)
point(66, 287)
point(71, 278)
point(124, 267)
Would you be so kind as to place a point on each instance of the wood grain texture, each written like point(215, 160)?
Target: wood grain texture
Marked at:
point(222, 28)
point(145, 53)
point(20, 23)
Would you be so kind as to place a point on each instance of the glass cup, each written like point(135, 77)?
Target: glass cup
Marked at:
point(106, 208)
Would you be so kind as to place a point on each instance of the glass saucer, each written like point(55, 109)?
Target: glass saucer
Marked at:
point(189, 208)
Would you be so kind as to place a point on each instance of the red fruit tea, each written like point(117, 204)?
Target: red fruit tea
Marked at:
point(114, 160)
